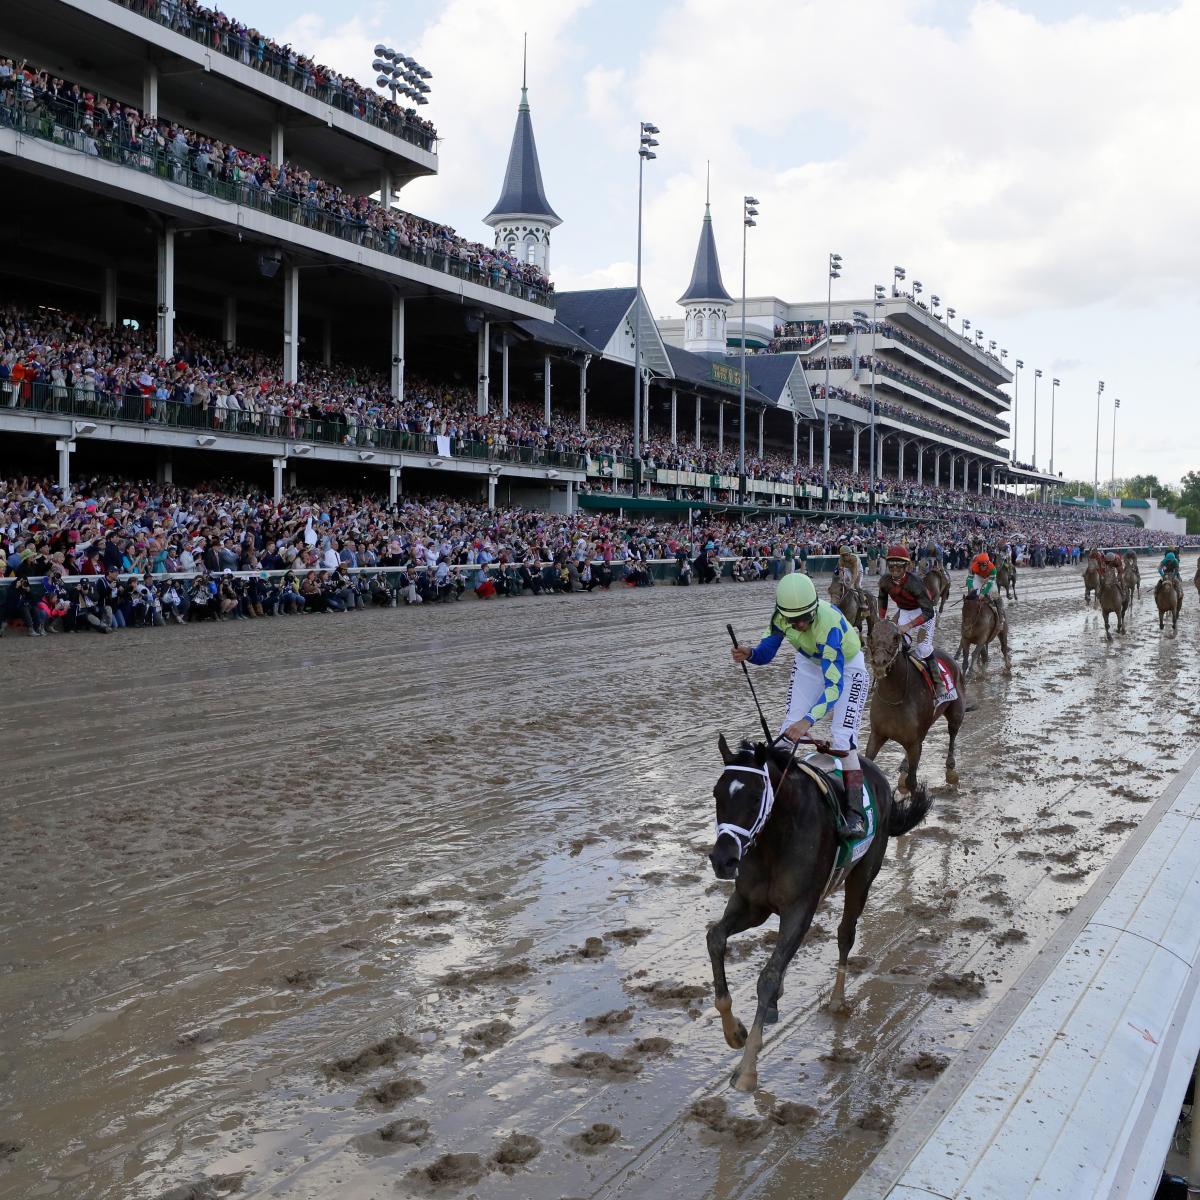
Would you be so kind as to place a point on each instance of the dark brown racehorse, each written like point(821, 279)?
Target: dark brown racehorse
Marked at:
point(852, 604)
point(937, 585)
point(1168, 599)
point(1006, 578)
point(981, 624)
point(1131, 576)
point(902, 708)
point(1091, 583)
point(785, 864)
point(1113, 598)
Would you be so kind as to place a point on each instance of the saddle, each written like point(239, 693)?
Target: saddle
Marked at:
point(930, 683)
point(823, 771)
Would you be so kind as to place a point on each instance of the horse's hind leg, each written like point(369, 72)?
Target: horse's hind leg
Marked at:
point(908, 770)
point(954, 720)
point(793, 925)
point(738, 915)
point(1004, 651)
point(858, 884)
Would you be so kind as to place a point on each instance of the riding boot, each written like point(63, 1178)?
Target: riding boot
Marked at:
point(853, 823)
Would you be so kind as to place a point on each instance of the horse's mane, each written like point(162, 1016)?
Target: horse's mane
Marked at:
point(747, 750)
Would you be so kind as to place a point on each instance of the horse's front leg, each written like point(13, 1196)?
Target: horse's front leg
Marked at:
point(858, 884)
point(738, 915)
point(1004, 651)
point(793, 925)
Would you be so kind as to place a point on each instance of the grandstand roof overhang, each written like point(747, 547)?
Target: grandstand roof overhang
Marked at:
point(605, 318)
point(108, 48)
point(130, 197)
point(781, 377)
point(1015, 474)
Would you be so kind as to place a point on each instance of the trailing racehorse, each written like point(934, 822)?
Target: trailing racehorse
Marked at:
point(1006, 578)
point(852, 603)
point(1113, 597)
point(902, 707)
point(981, 623)
point(776, 837)
point(1091, 583)
point(1168, 598)
point(937, 585)
point(1131, 576)
point(1196, 581)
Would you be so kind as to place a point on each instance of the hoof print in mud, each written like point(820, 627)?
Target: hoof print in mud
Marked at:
point(450, 1171)
point(491, 1035)
point(608, 1021)
point(211, 1187)
point(515, 1151)
point(380, 1054)
point(713, 1113)
point(395, 1135)
point(395, 1091)
point(486, 976)
point(594, 1138)
point(957, 986)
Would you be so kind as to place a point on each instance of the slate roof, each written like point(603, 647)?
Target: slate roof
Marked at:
point(694, 369)
point(523, 193)
point(706, 272)
point(594, 314)
point(555, 333)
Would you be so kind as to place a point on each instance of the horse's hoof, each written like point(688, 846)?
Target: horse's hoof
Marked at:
point(772, 1017)
point(838, 1008)
point(744, 1081)
point(737, 1039)
point(952, 777)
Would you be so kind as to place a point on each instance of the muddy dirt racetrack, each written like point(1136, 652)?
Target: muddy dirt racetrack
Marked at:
point(412, 903)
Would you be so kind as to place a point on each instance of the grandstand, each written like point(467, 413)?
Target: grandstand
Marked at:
point(215, 225)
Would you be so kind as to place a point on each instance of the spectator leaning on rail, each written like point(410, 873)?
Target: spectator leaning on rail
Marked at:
point(829, 672)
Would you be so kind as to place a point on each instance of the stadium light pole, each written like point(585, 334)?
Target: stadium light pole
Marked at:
point(399, 73)
point(1054, 386)
point(897, 280)
point(835, 264)
point(1112, 470)
point(1016, 395)
point(749, 212)
point(875, 307)
point(918, 288)
point(646, 144)
point(1037, 374)
point(1096, 466)
point(966, 324)
point(934, 304)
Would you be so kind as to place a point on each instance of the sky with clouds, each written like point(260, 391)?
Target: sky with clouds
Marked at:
point(1027, 161)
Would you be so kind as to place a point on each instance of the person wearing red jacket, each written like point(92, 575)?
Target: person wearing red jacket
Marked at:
point(904, 586)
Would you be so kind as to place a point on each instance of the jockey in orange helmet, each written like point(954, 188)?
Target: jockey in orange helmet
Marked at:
point(981, 579)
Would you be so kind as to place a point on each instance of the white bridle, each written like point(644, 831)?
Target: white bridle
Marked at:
point(744, 838)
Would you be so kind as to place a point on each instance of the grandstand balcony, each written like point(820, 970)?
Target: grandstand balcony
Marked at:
point(120, 48)
point(953, 374)
point(58, 151)
point(887, 377)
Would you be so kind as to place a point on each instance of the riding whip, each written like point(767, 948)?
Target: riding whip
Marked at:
point(762, 720)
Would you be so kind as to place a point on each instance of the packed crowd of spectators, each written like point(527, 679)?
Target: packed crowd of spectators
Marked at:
point(283, 62)
point(888, 409)
point(884, 366)
point(39, 103)
point(889, 330)
point(48, 358)
point(118, 553)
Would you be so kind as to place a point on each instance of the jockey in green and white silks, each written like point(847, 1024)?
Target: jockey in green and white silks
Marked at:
point(829, 675)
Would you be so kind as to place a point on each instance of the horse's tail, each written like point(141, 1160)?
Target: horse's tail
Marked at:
point(907, 814)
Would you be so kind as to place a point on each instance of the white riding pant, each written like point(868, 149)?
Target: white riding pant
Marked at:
point(806, 689)
point(922, 639)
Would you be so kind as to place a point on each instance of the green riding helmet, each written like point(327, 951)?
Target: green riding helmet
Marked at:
point(795, 596)
point(1170, 559)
